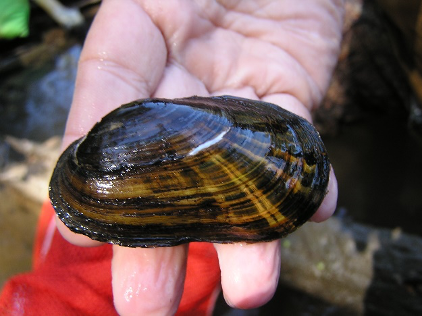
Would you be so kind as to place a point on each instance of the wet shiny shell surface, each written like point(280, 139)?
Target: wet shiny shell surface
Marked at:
point(160, 172)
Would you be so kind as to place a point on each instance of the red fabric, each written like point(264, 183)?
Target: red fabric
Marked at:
point(70, 280)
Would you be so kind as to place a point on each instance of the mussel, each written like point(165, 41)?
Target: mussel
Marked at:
point(159, 172)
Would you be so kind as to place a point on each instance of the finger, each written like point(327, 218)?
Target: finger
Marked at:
point(249, 272)
point(290, 103)
point(245, 92)
point(148, 281)
point(74, 238)
point(328, 205)
point(120, 61)
point(177, 83)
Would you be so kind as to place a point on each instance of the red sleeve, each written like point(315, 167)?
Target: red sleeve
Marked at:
point(71, 280)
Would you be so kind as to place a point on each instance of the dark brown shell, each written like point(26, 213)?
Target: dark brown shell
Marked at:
point(160, 172)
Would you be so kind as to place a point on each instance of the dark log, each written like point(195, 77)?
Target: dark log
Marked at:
point(368, 270)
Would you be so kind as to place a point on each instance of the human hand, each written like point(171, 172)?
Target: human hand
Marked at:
point(281, 52)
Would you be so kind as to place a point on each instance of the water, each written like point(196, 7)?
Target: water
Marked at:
point(34, 103)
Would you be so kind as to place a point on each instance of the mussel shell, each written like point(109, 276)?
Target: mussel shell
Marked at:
point(160, 172)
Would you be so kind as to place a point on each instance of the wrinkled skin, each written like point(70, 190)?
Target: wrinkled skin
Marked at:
point(280, 51)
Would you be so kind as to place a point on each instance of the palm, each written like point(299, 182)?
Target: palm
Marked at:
point(278, 51)
point(266, 50)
